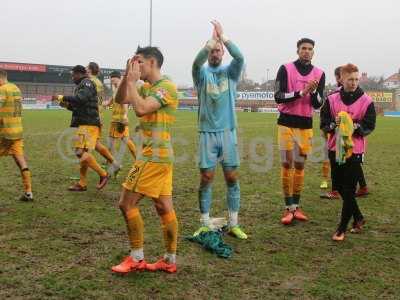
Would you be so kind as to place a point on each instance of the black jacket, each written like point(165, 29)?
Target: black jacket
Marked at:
point(83, 104)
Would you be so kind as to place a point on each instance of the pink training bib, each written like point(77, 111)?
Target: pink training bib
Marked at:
point(296, 82)
point(357, 112)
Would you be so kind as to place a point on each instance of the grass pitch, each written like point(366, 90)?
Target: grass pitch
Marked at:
point(63, 245)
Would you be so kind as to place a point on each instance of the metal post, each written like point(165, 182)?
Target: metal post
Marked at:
point(151, 23)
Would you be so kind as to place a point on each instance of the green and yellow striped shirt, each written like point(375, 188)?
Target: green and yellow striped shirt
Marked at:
point(119, 111)
point(155, 127)
point(10, 112)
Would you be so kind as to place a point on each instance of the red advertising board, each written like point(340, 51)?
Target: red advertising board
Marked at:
point(22, 67)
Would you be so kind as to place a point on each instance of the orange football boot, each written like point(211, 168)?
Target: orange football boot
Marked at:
point(300, 215)
point(287, 217)
point(129, 265)
point(162, 265)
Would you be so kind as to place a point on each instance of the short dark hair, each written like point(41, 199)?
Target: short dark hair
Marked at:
point(153, 52)
point(337, 71)
point(115, 74)
point(94, 68)
point(3, 73)
point(79, 69)
point(305, 40)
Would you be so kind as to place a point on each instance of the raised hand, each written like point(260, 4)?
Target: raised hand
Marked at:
point(133, 70)
point(215, 35)
point(218, 29)
point(128, 66)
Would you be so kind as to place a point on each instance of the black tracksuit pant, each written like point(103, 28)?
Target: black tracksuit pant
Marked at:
point(345, 178)
point(361, 179)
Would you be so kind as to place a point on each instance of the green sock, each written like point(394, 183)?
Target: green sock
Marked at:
point(288, 201)
point(296, 199)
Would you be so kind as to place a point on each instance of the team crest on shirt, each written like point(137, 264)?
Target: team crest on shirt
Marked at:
point(161, 93)
point(216, 89)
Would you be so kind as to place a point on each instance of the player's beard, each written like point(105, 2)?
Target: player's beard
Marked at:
point(306, 61)
point(214, 62)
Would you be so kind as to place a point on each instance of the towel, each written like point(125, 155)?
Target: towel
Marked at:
point(212, 241)
point(344, 142)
